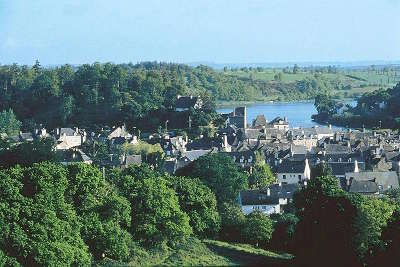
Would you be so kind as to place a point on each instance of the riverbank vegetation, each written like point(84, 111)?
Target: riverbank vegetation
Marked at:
point(144, 95)
point(378, 109)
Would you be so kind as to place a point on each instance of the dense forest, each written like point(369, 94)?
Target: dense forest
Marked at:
point(144, 94)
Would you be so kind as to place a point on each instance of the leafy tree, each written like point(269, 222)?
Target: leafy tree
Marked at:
point(199, 202)
point(326, 216)
point(371, 219)
point(27, 153)
point(220, 173)
point(9, 124)
point(232, 222)
point(258, 229)
point(104, 214)
point(261, 177)
point(37, 225)
point(284, 229)
point(387, 254)
point(156, 217)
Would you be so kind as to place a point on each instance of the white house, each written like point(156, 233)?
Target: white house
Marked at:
point(293, 172)
point(269, 201)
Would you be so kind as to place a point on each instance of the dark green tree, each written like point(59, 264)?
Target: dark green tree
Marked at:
point(220, 173)
point(199, 202)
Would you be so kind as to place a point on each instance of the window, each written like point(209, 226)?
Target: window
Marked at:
point(264, 207)
point(284, 176)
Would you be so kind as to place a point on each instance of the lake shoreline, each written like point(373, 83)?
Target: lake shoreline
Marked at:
point(231, 104)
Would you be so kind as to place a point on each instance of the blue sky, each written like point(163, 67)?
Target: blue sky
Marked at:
point(223, 31)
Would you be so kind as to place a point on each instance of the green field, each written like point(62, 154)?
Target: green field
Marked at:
point(208, 253)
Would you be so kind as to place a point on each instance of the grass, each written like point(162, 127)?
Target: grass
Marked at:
point(361, 81)
point(195, 252)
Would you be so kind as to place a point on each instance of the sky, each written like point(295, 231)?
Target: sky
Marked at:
point(219, 31)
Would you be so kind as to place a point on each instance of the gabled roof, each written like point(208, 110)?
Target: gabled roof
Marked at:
point(384, 180)
point(363, 187)
point(260, 121)
point(192, 155)
point(257, 197)
point(291, 167)
point(67, 131)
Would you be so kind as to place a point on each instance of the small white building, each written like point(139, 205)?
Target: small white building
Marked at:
point(268, 201)
point(293, 172)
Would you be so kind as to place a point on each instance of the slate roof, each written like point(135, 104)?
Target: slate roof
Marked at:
point(260, 197)
point(186, 102)
point(363, 187)
point(133, 160)
point(291, 167)
point(67, 131)
point(384, 180)
point(260, 121)
point(192, 155)
point(257, 197)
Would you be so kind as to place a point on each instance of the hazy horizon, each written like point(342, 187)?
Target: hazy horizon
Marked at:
point(216, 32)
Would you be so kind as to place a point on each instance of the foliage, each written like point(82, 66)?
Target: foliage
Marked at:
point(151, 154)
point(156, 217)
point(199, 202)
point(284, 230)
point(261, 177)
point(372, 215)
point(104, 214)
point(258, 229)
point(220, 173)
point(232, 222)
point(37, 225)
point(326, 217)
point(9, 124)
point(27, 153)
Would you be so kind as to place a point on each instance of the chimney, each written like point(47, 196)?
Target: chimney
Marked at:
point(268, 192)
point(178, 96)
point(245, 117)
point(191, 97)
point(330, 126)
point(291, 150)
point(58, 131)
point(285, 119)
point(307, 170)
point(264, 130)
point(186, 139)
point(225, 141)
point(356, 166)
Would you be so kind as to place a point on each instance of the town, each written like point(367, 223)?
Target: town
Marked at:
point(363, 161)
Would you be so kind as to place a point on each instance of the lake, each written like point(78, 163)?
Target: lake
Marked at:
point(298, 113)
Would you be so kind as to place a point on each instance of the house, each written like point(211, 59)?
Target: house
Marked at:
point(238, 117)
point(128, 160)
point(118, 132)
point(269, 201)
point(260, 121)
point(279, 123)
point(72, 156)
point(184, 103)
point(68, 138)
point(293, 172)
point(371, 182)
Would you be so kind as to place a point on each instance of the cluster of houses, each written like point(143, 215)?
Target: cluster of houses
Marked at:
point(364, 162)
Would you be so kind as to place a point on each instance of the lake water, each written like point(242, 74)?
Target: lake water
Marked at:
point(297, 113)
